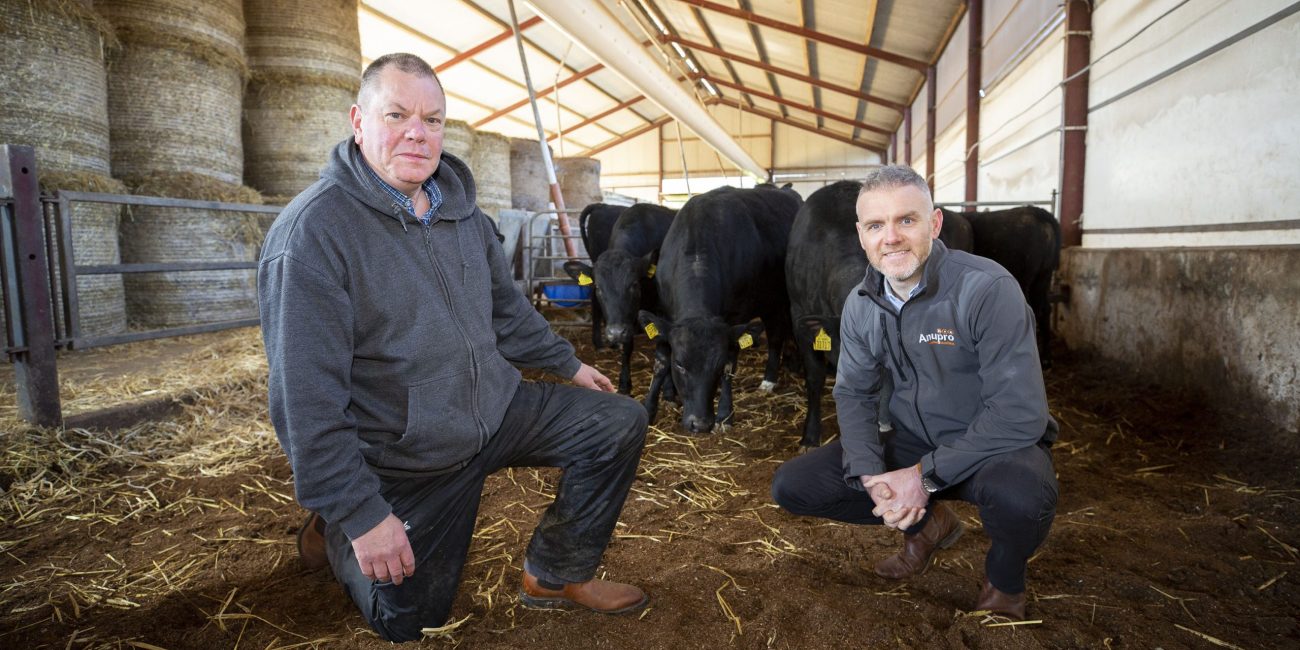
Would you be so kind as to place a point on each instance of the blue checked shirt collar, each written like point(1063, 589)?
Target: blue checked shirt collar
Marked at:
point(430, 189)
point(895, 300)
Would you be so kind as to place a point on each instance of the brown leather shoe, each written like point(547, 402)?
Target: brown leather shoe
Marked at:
point(597, 595)
point(1001, 603)
point(941, 531)
point(311, 542)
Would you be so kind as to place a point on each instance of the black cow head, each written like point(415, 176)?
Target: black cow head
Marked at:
point(702, 350)
point(821, 332)
point(620, 278)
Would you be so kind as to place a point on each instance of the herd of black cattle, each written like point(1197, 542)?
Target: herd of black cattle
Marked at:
point(704, 282)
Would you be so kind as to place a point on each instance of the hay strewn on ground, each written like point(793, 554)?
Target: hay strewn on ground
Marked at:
point(1174, 530)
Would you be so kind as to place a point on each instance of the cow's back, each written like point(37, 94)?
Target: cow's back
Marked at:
point(724, 250)
point(641, 229)
point(824, 260)
point(596, 223)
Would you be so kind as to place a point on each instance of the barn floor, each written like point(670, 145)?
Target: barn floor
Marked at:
point(1176, 529)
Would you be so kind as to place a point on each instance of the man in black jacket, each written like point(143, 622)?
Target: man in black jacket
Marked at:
point(393, 329)
point(969, 407)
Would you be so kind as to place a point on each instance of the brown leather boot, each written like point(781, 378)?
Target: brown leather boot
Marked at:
point(941, 531)
point(597, 595)
point(311, 542)
point(1001, 603)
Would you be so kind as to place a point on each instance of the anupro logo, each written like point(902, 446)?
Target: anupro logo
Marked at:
point(941, 336)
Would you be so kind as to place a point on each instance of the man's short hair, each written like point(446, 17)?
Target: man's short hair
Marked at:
point(893, 176)
point(408, 63)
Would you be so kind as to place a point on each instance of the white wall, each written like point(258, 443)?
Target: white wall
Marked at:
point(1216, 144)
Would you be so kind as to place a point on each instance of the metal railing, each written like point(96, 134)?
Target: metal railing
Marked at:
point(38, 277)
point(538, 249)
point(1049, 203)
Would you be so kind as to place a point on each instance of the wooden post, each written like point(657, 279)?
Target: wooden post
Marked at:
point(974, 79)
point(931, 96)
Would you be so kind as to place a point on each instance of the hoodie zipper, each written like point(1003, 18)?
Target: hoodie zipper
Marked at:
point(455, 317)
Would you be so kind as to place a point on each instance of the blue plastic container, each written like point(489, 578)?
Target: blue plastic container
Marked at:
point(557, 293)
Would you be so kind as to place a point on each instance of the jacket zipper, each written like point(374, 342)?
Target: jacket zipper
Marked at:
point(916, 405)
point(473, 359)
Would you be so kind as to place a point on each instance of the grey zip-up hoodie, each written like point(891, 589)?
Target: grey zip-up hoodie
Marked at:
point(390, 343)
point(963, 356)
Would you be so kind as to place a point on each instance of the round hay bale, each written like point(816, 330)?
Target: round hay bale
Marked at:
point(101, 304)
point(458, 139)
point(53, 91)
point(289, 130)
point(211, 30)
point(579, 180)
point(305, 38)
point(491, 165)
point(153, 91)
point(151, 234)
point(530, 189)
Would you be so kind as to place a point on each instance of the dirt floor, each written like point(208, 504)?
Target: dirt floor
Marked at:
point(1177, 528)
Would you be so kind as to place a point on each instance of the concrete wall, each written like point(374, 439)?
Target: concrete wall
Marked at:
point(1221, 323)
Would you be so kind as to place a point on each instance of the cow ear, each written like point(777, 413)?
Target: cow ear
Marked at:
point(647, 264)
point(746, 335)
point(579, 270)
point(654, 326)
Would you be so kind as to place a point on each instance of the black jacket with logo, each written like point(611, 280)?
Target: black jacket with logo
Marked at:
point(967, 379)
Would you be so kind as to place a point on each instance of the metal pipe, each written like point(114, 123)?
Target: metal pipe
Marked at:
point(974, 74)
point(589, 24)
point(557, 197)
point(1074, 124)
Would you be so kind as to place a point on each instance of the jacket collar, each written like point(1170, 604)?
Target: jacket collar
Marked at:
point(873, 284)
point(347, 168)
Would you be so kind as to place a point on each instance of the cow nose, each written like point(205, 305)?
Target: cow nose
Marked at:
point(697, 424)
point(616, 334)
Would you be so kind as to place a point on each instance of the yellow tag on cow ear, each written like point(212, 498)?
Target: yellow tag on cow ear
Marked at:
point(746, 341)
point(651, 331)
point(650, 271)
point(584, 280)
point(823, 341)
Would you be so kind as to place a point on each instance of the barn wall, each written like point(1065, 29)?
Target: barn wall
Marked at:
point(1191, 247)
point(1019, 125)
point(632, 168)
point(1220, 323)
point(950, 163)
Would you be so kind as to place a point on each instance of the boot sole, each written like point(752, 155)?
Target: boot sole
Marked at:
point(540, 602)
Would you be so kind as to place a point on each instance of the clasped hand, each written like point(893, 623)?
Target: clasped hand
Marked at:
point(899, 497)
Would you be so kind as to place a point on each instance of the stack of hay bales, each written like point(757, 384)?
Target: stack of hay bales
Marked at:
point(458, 139)
point(175, 90)
point(53, 97)
point(491, 165)
point(304, 60)
point(530, 188)
point(579, 180)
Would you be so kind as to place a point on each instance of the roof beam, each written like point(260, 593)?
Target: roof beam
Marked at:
point(868, 70)
point(810, 34)
point(626, 136)
point(541, 93)
point(703, 24)
point(601, 116)
point(761, 49)
point(803, 107)
point(473, 51)
point(844, 90)
point(811, 128)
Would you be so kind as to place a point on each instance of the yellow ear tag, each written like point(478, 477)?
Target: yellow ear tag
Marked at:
point(823, 341)
point(746, 341)
point(584, 280)
point(651, 331)
point(650, 272)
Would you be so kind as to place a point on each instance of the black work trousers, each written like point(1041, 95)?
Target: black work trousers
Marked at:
point(1015, 492)
point(595, 437)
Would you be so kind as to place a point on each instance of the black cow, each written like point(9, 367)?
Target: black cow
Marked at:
point(1026, 241)
point(624, 277)
point(596, 223)
point(721, 266)
point(824, 263)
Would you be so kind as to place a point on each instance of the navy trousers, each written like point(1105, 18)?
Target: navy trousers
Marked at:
point(595, 437)
point(1015, 492)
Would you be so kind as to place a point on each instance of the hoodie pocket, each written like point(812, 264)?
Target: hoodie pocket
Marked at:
point(441, 429)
